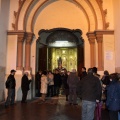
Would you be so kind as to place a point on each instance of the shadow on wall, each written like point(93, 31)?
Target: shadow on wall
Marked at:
point(2, 97)
point(18, 94)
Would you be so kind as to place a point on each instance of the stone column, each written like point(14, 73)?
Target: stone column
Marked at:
point(28, 50)
point(20, 51)
point(99, 38)
point(91, 38)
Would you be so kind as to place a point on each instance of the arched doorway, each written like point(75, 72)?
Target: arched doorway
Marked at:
point(62, 43)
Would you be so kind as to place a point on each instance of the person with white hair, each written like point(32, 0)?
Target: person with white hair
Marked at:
point(72, 83)
point(25, 81)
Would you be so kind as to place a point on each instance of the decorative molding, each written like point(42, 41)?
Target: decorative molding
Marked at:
point(21, 37)
point(107, 25)
point(29, 37)
point(13, 26)
point(103, 32)
point(13, 32)
point(105, 12)
point(101, 2)
point(91, 37)
point(15, 14)
point(20, 2)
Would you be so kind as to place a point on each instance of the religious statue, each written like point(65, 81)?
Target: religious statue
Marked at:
point(60, 68)
point(60, 62)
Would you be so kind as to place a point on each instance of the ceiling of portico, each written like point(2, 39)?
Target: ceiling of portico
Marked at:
point(34, 15)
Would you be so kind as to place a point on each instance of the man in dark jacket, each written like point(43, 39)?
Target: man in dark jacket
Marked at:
point(57, 83)
point(38, 82)
point(25, 86)
point(84, 73)
point(10, 85)
point(90, 91)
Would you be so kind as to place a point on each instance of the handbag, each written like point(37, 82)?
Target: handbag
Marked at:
point(98, 111)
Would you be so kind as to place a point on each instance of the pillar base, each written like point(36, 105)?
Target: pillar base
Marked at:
point(27, 68)
point(117, 69)
point(100, 68)
point(19, 68)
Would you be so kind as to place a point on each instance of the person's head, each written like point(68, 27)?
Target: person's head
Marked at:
point(94, 70)
point(12, 72)
point(114, 77)
point(90, 71)
point(106, 72)
point(83, 69)
point(68, 72)
point(40, 72)
point(56, 71)
point(26, 73)
point(49, 72)
point(44, 72)
point(73, 71)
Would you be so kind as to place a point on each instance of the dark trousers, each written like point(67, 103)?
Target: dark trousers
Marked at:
point(56, 90)
point(113, 115)
point(24, 95)
point(66, 93)
point(72, 95)
point(11, 97)
point(50, 90)
point(38, 94)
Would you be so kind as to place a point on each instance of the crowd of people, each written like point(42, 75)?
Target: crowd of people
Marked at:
point(89, 86)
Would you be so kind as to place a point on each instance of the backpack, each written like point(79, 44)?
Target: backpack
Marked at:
point(7, 84)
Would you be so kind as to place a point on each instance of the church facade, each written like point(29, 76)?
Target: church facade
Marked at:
point(29, 30)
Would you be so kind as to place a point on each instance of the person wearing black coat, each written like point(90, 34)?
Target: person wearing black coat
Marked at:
point(25, 86)
point(57, 83)
point(90, 91)
point(38, 82)
point(113, 97)
point(84, 73)
point(64, 77)
point(10, 85)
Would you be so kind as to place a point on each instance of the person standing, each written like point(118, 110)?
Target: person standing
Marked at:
point(38, 82)
point(44, 85)
point(84, 73)
point(25, 86)
point(57, 83)
point(105, 82)
point(65, 84)
point(89, 90)
point(72, 83)
point(10, 85)
point(50, 84)
point(113, 97)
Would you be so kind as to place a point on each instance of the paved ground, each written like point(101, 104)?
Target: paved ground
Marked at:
point(52, 109)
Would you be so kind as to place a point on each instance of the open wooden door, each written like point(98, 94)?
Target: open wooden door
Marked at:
point(42, 58)
point(80, 58)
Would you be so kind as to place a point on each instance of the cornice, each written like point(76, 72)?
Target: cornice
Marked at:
point(12, 32)
point(104, 32)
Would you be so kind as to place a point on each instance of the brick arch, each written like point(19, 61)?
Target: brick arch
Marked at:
point(45, 3)
point(21, 5)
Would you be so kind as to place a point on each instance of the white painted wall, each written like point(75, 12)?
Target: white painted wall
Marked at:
point(4, 18)
point(116, 5)
point(109, 53)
